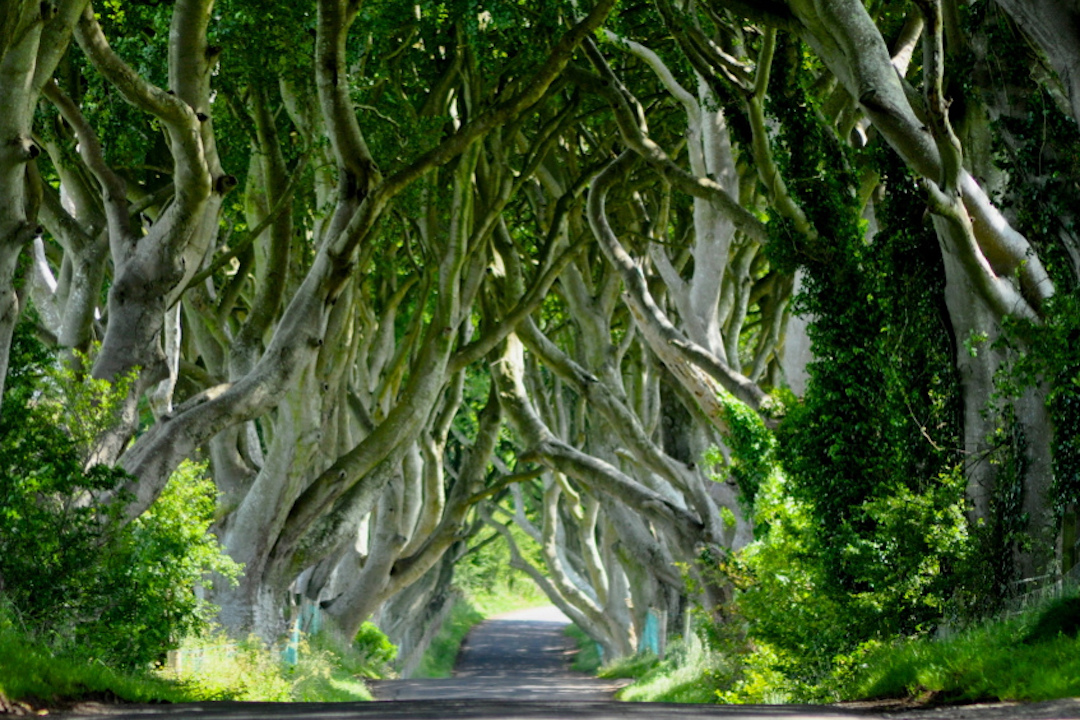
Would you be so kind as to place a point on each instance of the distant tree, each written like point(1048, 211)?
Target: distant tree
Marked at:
point(404, 274)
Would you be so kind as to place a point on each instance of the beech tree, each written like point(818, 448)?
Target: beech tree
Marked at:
point(407, 274)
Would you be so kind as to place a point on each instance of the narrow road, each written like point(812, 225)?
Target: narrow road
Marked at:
point(516, 667)
point(522, 655)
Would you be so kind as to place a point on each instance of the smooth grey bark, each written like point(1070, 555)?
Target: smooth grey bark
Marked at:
point(702, 373)
point(299, 332)
point(147, 268)
point(1054, 25)
point(33, 38)
point(413, 617)
point(845, 37)
point(591, 473)
point(391, 568)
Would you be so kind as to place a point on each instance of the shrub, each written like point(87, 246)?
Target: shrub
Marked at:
point(372, 644)
point(69, 566)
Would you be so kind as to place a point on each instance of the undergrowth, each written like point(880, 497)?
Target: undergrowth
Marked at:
point(327, 670)
point(634, 666)
point(587, 659)
point(1031, 657)
point(689, 673)
point(31, 674)
point(37, 676)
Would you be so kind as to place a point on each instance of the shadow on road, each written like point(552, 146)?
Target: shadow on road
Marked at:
point(480, 709)
point(510, 659)
point(518, 669)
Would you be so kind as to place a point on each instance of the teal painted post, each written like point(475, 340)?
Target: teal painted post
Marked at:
point(292, 649)
point(650, 636)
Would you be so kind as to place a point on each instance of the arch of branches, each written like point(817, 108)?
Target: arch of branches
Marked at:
point(408, 274)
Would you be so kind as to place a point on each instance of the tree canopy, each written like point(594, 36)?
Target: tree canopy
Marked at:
point(720, 303)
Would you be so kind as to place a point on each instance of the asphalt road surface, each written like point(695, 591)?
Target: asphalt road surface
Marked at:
point(521, 655)
point(516, 667)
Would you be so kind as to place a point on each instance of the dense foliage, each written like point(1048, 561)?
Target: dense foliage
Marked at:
point(70, 572)
point(761, 315)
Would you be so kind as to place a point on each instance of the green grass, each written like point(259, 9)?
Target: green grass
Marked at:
point(327, 670)
point(39, 677)
point(1031, 657)
point(31, 674)
point(438, 660)
point(633, 666)
point(1014, 659)
point(518, 596)
point(330, 670)
point(689, 673)
point(587, 658)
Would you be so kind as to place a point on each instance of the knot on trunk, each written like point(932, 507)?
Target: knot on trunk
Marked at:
point(225, 183)
point(26, 149)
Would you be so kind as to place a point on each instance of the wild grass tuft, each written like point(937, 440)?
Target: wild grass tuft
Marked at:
point(587, 658)
point(689, 673)
point(1014, 659)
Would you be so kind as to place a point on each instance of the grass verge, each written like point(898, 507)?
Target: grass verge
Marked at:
point(587, 658)
point(33, 676)
point(1013, 659)
point(438, 661)
point(689, 673)
point(327, 670)
point(1030, 657)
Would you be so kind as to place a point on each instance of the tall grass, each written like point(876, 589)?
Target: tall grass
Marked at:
point(327, 670)
point(36, 676)
point(1011, 659)
point(689, 673)
point(1032, 656)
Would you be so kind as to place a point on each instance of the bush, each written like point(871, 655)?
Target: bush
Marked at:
point(69, 566)
point(375, 648)
point(151, 570)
